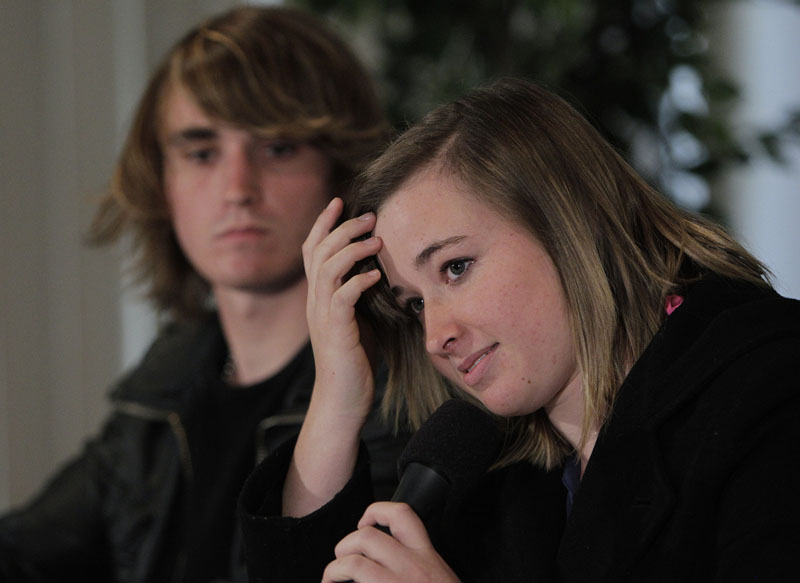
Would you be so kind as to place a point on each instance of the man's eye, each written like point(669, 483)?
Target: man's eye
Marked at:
point(203, 156)
point(280, 149)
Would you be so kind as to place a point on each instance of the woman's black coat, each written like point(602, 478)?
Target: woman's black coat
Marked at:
point(693, 478)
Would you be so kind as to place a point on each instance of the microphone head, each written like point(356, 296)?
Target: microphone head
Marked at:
point(459, 441)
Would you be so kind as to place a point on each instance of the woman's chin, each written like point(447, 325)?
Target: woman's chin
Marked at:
point(504, 407)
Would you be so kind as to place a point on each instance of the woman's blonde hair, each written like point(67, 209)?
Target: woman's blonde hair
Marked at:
point(274, 71)
point(619, 246)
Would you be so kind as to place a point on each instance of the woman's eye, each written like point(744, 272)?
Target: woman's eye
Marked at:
point(456, 268)
point(415, 305)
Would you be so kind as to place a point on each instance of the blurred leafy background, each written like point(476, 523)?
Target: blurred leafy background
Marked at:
point(642, 71)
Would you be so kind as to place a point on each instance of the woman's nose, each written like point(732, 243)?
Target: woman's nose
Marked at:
point(441, 328)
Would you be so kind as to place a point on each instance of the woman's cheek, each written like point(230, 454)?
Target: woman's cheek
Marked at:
point(445, 368)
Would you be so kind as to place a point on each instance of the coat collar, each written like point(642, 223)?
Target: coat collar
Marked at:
point(625, 496)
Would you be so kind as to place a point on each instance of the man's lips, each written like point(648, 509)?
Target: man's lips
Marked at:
point(242, 231)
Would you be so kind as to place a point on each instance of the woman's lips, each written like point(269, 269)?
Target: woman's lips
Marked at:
point(475, 367)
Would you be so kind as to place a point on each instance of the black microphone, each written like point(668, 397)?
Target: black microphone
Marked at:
point(446, 456)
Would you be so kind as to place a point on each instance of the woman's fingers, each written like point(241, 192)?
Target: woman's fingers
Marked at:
point(322, 242)
point(401, 520)
point(321, 228)
point(330, 274)
point(348, 293)
point(367, 541)
point(354, 568)
point(364, 555)
point(329, 257)
point(370, 555)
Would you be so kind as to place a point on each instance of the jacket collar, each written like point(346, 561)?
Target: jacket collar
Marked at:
point(185, 353)
point(187, 356)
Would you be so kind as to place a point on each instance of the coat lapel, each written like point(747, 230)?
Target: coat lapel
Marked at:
point(625, 495)
point(623, 499)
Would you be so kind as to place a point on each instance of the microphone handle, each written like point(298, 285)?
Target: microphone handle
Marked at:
point(422, 488)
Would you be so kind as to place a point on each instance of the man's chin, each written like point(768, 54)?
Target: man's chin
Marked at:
point(277, 284)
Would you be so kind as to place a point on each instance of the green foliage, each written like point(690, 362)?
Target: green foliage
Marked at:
point(640, 70)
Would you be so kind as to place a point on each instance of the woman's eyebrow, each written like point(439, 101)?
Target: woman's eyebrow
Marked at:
point(425, 255)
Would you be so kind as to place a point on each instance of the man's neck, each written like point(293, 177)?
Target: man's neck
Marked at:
point(263, 331)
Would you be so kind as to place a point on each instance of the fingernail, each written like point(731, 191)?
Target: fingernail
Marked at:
point(366, 216)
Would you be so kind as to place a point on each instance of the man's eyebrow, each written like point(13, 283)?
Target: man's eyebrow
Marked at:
point(425, 255)
point(192, 134)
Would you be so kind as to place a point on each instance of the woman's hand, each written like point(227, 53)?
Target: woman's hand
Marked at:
point(344, 376)
point(369, 555)
point(327, 447)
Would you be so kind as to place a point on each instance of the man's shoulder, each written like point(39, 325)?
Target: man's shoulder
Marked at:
point(183, 339)
point(180, 350)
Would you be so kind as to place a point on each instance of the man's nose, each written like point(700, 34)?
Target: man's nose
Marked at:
point(242, 186)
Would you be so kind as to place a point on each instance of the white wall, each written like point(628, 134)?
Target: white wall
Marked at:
point(759, 42)
point(21, 246)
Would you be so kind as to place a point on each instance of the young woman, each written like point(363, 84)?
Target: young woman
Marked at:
point(640, 362)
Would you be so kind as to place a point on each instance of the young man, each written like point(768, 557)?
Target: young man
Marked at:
point(251, 124)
